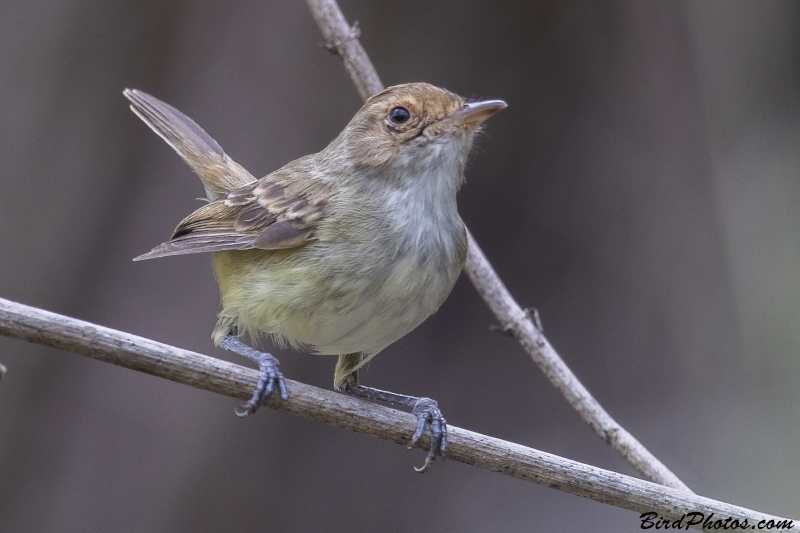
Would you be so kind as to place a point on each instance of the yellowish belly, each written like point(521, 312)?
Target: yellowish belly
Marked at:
point(301, 299)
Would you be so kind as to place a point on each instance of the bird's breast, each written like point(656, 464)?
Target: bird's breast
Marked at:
point(374, 275)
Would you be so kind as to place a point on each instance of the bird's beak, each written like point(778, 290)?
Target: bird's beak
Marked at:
point(472, 114)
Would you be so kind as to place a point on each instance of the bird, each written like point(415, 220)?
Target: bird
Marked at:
point(341, 252)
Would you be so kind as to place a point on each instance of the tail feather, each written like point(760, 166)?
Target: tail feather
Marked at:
point(347, 370)
point(218, 172)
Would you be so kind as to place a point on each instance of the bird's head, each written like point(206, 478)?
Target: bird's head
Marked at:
point(413, 128)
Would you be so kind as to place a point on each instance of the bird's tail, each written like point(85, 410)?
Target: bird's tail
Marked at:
point(347, 370)
point(218, 172)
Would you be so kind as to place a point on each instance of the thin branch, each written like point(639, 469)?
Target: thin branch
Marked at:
point(515, 320)
point(207, 373)
point(512, 318)
point(342, 40)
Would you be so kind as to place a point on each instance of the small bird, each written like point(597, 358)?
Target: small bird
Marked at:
point(341, 252)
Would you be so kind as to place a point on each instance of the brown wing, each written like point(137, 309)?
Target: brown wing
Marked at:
point(269, 214)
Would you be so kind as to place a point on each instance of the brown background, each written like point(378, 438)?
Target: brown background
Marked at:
point(641, 191)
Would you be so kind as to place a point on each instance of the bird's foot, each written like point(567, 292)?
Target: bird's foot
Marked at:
point(428, 413)
point(270, 378)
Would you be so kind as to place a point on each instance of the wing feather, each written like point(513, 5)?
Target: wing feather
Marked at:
point(261, 215)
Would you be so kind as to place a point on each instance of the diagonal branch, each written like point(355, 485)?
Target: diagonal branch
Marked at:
point(207, 373)
point(343, 40)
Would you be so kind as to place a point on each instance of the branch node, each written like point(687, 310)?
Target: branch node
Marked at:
point(335, 47)
point(611, 435)
point(507, 330)
point(533, 315)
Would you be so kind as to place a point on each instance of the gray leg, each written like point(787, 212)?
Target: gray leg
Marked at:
point(269, 378)
point(427, 413)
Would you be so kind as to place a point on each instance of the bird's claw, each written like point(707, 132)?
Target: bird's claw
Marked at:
point(428, 413)
point(269, 379)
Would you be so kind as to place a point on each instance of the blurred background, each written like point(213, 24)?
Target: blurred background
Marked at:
point(642, 191)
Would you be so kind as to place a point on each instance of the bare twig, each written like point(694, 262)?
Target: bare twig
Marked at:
point(513, 320)
point(517, 321)
point(342, 39)
point(206, 373)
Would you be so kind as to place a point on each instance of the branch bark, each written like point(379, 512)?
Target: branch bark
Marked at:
point(513, 319)
point(207, 373)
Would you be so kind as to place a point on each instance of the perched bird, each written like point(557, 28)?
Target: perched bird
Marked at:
point(341, 252)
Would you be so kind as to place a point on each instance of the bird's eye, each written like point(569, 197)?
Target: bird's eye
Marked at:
point(399, 115)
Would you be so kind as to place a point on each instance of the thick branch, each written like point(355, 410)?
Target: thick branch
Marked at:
point(206, 373)
point(334, 27)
